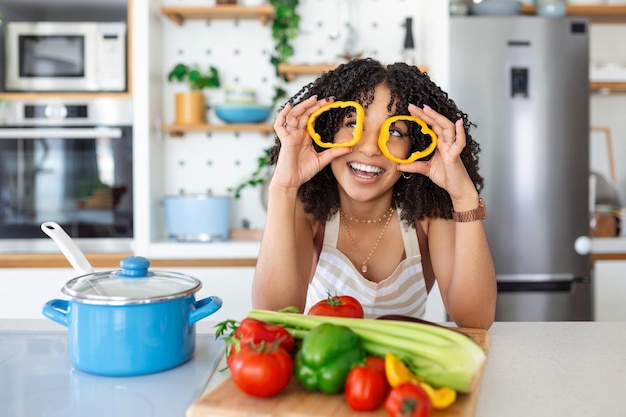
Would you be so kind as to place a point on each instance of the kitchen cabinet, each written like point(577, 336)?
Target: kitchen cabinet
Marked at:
point(31, 288)
point(609, 284)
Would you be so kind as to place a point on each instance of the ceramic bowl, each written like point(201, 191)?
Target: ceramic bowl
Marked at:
point(551, 9)
point(242, 112)
point(496, 8)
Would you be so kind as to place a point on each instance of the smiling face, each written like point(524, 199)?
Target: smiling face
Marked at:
point(365, 173)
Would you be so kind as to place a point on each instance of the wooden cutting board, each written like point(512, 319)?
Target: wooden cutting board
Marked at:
point(226, 400)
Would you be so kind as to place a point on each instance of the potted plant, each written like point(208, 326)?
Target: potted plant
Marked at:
point(190, 105)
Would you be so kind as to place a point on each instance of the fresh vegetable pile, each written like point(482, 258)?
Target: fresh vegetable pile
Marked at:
point(407, 368)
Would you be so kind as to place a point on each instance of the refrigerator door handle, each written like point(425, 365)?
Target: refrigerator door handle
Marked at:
point(540, 286)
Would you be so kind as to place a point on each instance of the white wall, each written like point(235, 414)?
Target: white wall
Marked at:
point(241, 51)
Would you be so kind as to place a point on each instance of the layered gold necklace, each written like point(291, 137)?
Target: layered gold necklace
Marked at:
point(387, 217)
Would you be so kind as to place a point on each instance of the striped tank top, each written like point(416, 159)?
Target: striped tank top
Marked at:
point(403, 292)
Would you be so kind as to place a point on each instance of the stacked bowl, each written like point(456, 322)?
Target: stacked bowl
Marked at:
point(241, 107)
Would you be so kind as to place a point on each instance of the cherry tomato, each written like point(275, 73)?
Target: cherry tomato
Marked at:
point(338, 306)
point(261, 371)
point(365, 389)
point(408, 400)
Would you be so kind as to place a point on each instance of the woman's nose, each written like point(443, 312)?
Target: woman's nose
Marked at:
point(368, 145)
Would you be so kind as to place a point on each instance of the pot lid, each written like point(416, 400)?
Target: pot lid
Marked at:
point(133, 284)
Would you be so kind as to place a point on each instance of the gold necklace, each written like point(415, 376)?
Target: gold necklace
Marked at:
point(378, 220)
point(380, 236)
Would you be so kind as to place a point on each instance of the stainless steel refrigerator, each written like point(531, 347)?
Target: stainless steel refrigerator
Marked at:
point(524, 82)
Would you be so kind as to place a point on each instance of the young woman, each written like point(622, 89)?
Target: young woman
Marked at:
point(351, 221)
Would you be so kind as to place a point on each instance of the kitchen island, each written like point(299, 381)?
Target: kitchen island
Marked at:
point(533, 368)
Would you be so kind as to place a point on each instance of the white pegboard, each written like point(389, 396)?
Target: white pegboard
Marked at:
point(241, 50)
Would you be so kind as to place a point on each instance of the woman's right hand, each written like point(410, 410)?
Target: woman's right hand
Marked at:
point(298, 160)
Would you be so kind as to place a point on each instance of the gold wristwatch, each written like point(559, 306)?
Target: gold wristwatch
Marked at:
point(478, 213)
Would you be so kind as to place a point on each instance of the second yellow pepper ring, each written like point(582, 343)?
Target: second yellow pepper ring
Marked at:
point(356, 133)
point(383, 138)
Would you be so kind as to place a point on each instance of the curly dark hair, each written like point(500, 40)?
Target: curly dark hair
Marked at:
point(417, 196)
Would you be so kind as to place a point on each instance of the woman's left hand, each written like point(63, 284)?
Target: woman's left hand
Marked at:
point(445, 168)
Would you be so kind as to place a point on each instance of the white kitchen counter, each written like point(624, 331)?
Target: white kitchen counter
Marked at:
point(533, 369)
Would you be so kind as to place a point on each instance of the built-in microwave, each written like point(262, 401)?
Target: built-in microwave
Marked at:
point(65, 56)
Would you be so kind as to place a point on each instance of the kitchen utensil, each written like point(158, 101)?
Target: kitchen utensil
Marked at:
point(72, 252)
point(242, 112)
point(198, 218)
point(496, 8)
point(131, 321)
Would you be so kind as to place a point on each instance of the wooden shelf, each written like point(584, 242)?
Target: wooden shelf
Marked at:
point(178, 14)
point(291, 71)
point(597, 14)
point(180, 130)
point(610, 87)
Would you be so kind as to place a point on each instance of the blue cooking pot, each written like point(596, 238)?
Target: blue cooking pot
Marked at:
point(132, 321)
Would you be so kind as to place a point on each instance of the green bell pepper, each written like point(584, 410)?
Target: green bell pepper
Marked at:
point(327, 355)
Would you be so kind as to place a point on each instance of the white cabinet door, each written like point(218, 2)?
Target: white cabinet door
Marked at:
point(25, 291)
point(609, 291)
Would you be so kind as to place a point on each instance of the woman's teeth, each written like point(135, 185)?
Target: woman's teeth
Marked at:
point(365, 171)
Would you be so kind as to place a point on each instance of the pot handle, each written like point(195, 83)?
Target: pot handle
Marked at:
point(57, 310)
point(204, 308)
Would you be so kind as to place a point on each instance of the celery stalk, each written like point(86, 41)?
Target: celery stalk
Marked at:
point(439, 356)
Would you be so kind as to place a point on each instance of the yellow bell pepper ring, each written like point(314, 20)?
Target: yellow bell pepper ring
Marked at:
point(383, 138)
point(356, 133)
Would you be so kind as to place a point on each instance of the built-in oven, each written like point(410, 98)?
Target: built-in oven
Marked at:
point(70, 162)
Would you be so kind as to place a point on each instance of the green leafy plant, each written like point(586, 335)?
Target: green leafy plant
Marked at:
point(196, 78)
point(258, 177)
point(285, 27)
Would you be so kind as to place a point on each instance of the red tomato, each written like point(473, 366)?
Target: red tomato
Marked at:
point(256, 331)
point(253, 332)
point(261, 372)
point(378, 364)
point(408, 400)
point(338, 306)
point(365, 389)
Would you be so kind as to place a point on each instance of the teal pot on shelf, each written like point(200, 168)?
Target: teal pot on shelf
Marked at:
point(198, 218)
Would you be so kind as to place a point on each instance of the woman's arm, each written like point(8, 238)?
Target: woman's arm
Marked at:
point(459, 251)
point(464, 269)
point(284, 265)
